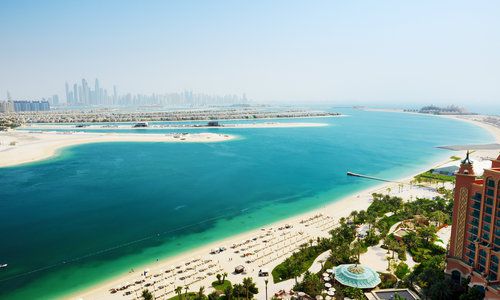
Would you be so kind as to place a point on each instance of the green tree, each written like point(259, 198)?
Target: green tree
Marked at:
point(440, 290)
point(224, 275)
point(427, 233)
point(311, 284)
point(178, 291)
point(353, 293)
point(213, 296)
point(473, 294)
point(201, 293)
point(249, 288)
point(402, 270)
point(238, 290)
point(228, 292)
point(219, 276)
point(146, 295)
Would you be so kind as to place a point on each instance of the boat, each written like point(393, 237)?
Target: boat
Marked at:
point(141, 124)
point(3, 266)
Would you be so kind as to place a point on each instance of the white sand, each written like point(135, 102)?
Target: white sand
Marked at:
point(19, 147)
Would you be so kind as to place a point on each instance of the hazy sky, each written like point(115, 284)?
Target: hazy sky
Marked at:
point(291, 51)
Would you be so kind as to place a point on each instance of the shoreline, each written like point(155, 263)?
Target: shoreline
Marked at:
point(22, 147)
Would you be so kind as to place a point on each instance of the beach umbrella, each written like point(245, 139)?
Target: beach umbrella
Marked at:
point(329, 271)
point(332, 289)
point(328, 298)
point(331, 293)
point(328, 285)
point(325, 274)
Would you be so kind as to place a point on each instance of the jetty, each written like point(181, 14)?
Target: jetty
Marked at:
point(370, 177)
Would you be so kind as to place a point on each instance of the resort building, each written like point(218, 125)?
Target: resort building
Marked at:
point(474, 250)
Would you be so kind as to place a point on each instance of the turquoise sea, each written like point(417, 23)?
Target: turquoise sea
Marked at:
point(98, 210)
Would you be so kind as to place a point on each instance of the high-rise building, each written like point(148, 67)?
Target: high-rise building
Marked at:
point(68, 95)
point(6, 106)
point(75, 94)
point(20, 106)
point(474, 251)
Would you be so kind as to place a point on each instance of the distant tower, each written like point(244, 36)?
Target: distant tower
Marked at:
point(97, 92)
point(9, 98)
point(68, 97)
point(75, 93)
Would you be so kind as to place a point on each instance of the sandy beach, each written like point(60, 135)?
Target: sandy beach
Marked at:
point(267, 246)
point(20, 147)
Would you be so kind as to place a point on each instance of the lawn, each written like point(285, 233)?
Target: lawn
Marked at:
point(221, 286)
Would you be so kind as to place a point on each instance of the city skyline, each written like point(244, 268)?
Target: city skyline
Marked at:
point(83, 94)
point(335, 52)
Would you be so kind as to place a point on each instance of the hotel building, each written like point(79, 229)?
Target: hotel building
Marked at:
point(474, 251)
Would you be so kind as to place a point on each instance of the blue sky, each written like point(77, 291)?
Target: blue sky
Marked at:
point(289, 51)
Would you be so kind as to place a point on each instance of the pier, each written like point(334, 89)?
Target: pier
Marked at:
point(370, 177)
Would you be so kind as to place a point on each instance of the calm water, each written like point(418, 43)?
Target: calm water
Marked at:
point(141, 201)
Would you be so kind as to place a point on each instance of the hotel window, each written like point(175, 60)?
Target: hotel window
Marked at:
point(487, 219)
point(497, 242)
point(486, 236)
point(490, 192)
point(486, 227)
point(489, 210)
point(477, 196)
point(489, 201)
point(491, 183)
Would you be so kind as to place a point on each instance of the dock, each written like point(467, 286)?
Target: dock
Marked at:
point(371, 177)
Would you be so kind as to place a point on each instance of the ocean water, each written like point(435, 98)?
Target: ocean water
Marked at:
point(98, 210)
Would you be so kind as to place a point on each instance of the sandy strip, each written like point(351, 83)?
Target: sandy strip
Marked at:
point(177, 127)
point(20, 147)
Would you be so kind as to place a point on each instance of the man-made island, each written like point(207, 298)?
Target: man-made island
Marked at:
point(113, 115)
point(146, 125)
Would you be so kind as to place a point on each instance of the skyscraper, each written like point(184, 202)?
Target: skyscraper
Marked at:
point(97, 92)
point(68, 96)
point(75, 94)
point(474, 251)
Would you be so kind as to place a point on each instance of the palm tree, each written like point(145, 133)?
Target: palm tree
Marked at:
point(237, 290)
point(354, 214)
point(178, 291)
point(224, 275)
point(427, 233)
point(219, 276)
point(356, 247)
point(228, 292)
point(201, 294)
point(246, 286)
point(186, 289)
point(146, 295)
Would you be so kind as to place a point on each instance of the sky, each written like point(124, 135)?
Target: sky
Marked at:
point(343, 52)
